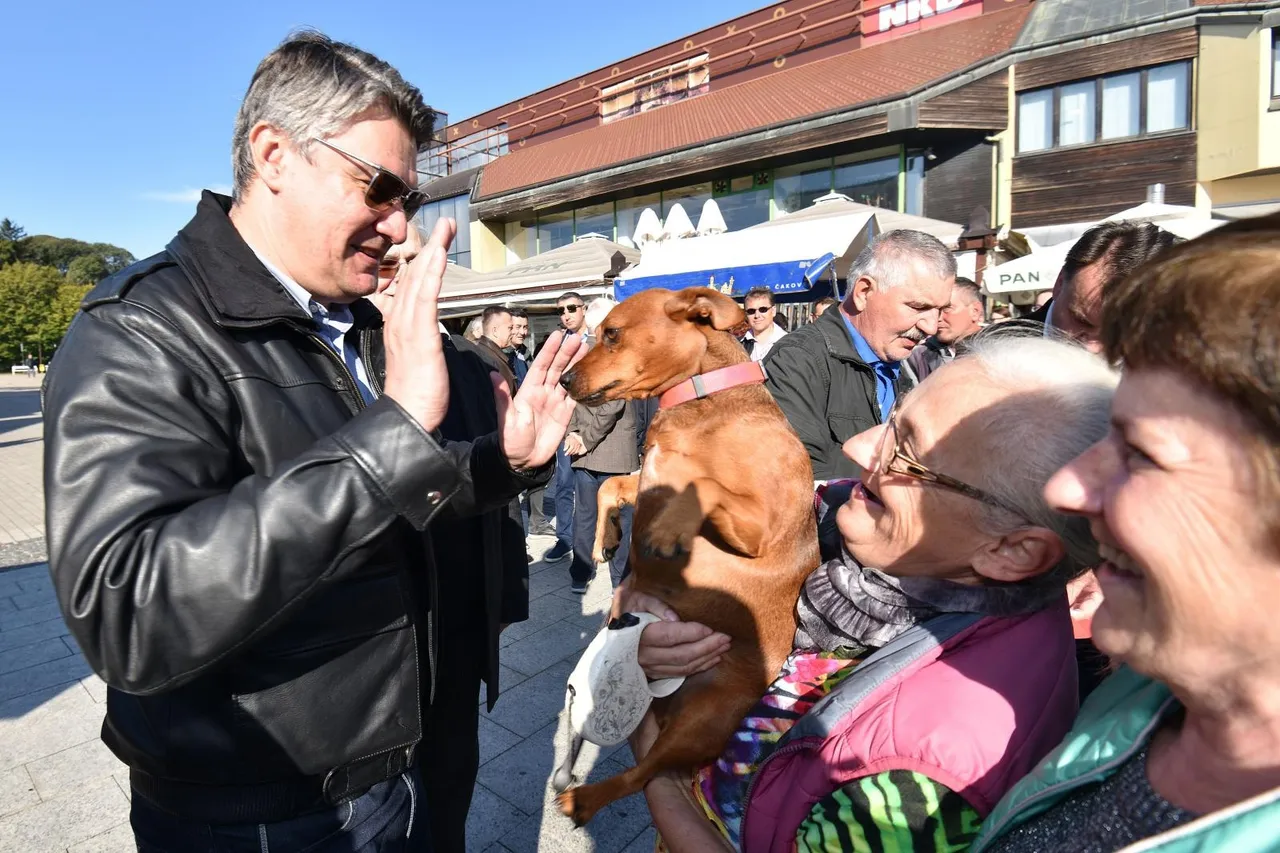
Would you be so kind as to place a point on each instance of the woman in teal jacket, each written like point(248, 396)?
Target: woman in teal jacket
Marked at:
point(1180, 749)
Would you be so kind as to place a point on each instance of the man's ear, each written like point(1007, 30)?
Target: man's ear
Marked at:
point(861, 289)
point(1020, 555)
point(269, 148)
point(704, 305)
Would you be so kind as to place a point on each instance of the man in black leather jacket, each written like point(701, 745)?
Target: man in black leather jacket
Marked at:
point(244, 469)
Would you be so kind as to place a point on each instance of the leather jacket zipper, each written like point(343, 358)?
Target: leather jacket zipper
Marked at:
point(351, 384)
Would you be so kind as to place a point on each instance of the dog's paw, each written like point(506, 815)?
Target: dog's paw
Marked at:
point(660, 544)
point(603, 553)
point(569, 807)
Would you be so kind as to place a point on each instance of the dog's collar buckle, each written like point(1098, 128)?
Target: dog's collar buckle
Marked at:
point(705, 384)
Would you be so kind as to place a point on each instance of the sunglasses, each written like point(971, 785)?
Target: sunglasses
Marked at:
point(569, 309)
point(384, 189)
point(764, 310)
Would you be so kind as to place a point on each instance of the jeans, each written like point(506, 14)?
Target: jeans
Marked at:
point(387, 818)
point(564, 488)
point(586, 485)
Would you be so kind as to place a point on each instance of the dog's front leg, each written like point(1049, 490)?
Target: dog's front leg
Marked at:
point(736, 520)
point(614, 494)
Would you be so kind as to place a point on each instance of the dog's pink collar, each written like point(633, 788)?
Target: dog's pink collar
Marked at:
point(704, 384)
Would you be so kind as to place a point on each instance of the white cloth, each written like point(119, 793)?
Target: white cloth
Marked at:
point(608, 693)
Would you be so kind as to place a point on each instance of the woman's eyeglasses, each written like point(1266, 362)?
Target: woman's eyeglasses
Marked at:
point(385, 188)
point(892, 458)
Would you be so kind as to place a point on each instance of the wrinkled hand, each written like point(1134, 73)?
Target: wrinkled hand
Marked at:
point(573, 445)
point(1085, 596)
point(535, 421)
point(416, 375)
point(670, 648)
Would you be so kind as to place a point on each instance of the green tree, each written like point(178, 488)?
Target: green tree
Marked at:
point(88, 269)
point(11, 231)
point(61, 251)
point(27, 292)
point(8, 252)
point(62, 310)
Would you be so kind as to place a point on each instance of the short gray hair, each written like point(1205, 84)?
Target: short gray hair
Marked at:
point(314, 87)
point(887, 259)
point(1060, 406)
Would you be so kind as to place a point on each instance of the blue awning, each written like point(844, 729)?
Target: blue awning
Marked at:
point(798, 261)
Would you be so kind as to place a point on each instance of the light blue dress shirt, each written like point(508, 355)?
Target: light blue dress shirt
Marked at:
point(886, 371)
point(333, 324)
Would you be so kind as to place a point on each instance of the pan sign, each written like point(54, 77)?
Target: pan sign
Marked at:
point(899, 17)
point(1021, 281)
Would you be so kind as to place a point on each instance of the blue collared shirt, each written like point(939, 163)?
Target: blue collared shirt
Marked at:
point(886, 372)
point(333, 323)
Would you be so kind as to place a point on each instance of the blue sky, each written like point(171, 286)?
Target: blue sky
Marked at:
point(117, 114)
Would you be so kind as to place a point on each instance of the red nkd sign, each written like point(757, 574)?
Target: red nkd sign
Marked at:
point(891, 18)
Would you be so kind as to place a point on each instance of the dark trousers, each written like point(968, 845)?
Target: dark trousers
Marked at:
point(450, 747)
point(388, 818)
point(586, 486)
point(563, 487)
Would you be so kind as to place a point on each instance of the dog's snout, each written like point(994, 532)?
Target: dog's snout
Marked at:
point(566, 379)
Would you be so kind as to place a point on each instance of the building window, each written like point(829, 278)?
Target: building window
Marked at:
point(595, 219)
point(1121, 106)
point(554, 230)
point(521, 240)
point(744, 200)
point(629, 210)
point(653, 89)
point(1275, 63)
point(795, 187)
point(691, 198)
point(873, 182)
point(459, 209)
point(915, 185)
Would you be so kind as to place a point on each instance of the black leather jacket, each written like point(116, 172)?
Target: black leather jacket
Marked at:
point(239, 544)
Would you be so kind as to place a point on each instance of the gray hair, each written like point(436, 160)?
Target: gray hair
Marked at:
point(597, 310)
point(1060, 406)
point(888, 258)
point(314, 87)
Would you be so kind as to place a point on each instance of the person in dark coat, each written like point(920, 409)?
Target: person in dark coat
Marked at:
point(838, 376)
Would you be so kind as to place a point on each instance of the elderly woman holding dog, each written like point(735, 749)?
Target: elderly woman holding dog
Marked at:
point(934, 665)
point(1180, 748)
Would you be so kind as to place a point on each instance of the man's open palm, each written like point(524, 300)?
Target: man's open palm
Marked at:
point(534, 423)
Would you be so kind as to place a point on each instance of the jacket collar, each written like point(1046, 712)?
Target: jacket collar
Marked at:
point(835, 334)
point(233, 283)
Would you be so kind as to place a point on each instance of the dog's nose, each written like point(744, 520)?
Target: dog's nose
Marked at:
point(566, 379)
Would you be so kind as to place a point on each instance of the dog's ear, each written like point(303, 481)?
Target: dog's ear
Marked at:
point(704, 305)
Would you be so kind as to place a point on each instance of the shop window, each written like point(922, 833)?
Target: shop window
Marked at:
point(554, 230)
point(629, 209)
point(457, 208)
point(1275, 63)
point(1119, 106)
point(594, 219)
point(691, 198)
point(795, 187)
point(873, 182)
point(915, 185)
point(653, 89)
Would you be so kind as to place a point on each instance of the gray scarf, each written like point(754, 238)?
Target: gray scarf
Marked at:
point(844, 605)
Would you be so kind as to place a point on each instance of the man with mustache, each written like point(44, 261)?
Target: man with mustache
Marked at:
point(838, 376)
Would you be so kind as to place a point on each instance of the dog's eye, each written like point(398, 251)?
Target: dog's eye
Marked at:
point(612, 335)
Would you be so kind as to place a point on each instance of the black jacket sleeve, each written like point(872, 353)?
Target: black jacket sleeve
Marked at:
point(165, 554)
point(800, 381)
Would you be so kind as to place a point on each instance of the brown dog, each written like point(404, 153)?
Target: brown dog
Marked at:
point(724, 530)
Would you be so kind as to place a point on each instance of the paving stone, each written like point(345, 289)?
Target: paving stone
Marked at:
point(122, 779)
point(643, 843)
point(30, 616)
point(28, 600)
point(520, 774)
point(555, 578)
point(491, 818)
point(542, 612)
point(531, 705)
point(36, 572)
point(118, 839)
point(41, 724)
point(36, 653)
point(73, 767)
point(54, 825)
point(494, 739)
point(6, 603)
point(17, 792)
point(543, 648)
point(97, 688)
point(29, 634)
point(610, 831)
point(34, 678)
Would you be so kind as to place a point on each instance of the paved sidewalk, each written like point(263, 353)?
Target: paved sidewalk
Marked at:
point(21, 446)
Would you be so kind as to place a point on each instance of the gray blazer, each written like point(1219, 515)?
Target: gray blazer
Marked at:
point(609, 433)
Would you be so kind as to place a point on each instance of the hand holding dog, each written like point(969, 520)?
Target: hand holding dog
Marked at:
point(535, 420)
point(670, 648)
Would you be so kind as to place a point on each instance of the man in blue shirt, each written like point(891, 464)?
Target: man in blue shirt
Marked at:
point(838, 376)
